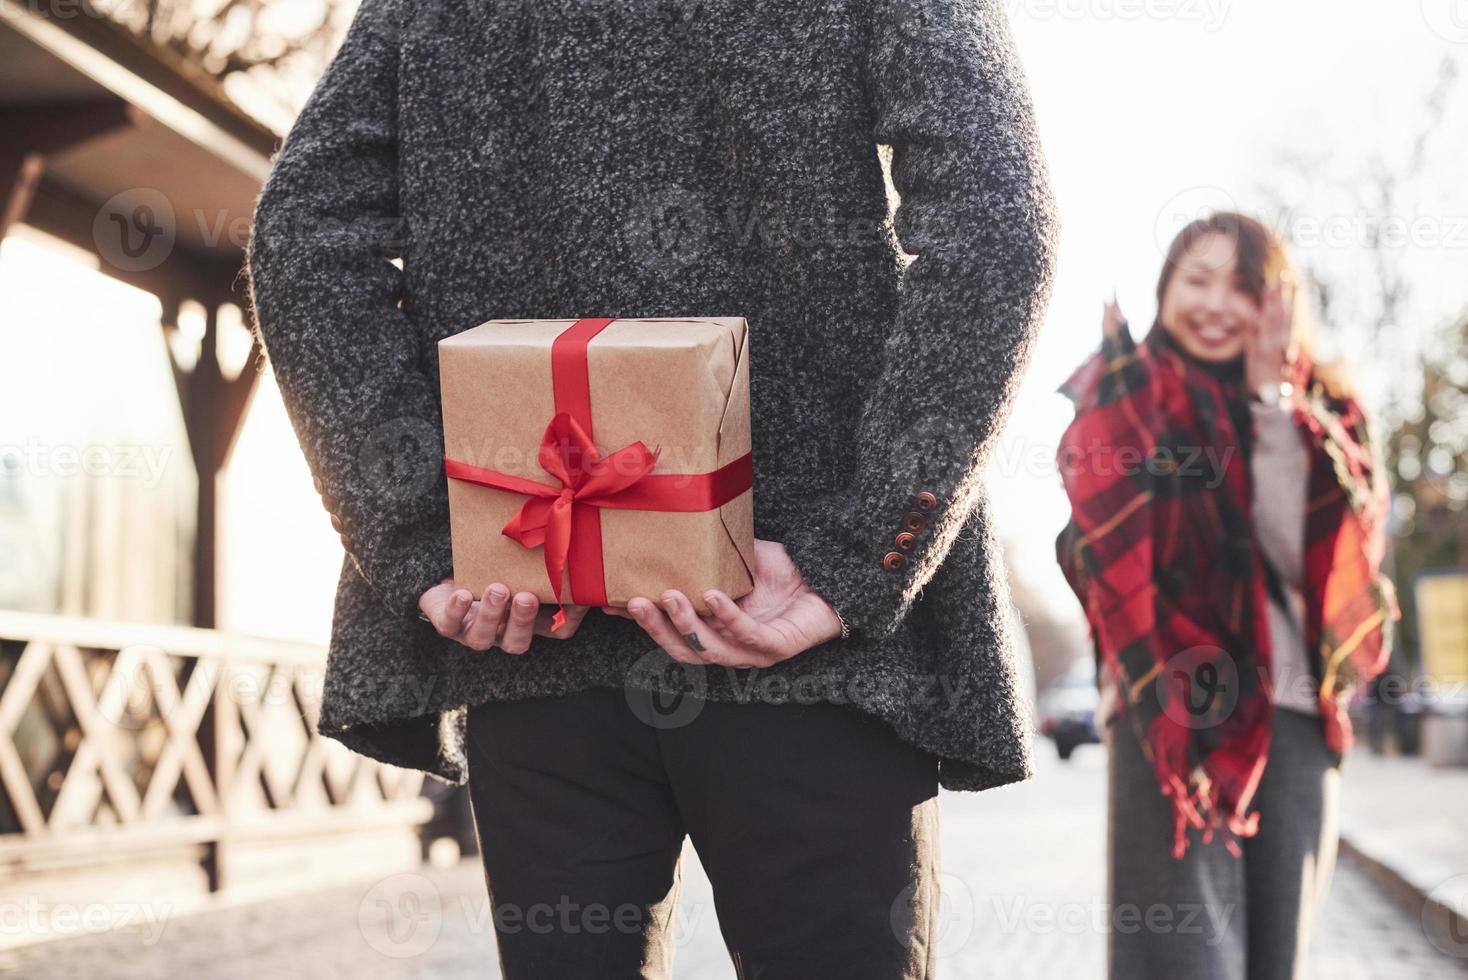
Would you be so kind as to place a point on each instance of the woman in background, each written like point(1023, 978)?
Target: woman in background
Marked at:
point(1225, 541)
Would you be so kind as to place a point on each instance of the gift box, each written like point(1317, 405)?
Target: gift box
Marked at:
point(597, 459)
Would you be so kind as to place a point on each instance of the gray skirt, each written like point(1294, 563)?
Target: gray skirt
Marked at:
point(1210, 915)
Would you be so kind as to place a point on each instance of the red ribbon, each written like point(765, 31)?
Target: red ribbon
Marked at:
point(566, 519)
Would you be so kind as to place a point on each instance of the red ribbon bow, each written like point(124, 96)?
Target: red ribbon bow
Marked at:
point(557, 517)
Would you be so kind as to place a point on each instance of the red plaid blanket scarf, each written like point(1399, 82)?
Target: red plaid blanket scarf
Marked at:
point(1161, 553)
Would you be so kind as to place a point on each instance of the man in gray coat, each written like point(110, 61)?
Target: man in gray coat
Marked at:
point(468, 161)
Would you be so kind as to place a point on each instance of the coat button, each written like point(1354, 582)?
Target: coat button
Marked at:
point(328, 502)
point(316, 482)
point(346, 542)
point(925, 502)
point(336, 524)
point(913, 521)
point(893, 561)
point(904, 540)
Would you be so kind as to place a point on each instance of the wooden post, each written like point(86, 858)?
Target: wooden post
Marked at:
point(214, 409)
point(20, 175)
point(38, 132)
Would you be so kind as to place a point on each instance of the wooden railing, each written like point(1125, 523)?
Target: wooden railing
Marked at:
point(124, 746)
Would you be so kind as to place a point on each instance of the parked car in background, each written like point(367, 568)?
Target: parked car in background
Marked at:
point(1067, 708)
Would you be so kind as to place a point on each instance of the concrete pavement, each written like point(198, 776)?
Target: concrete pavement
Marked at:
point(1407, 823)
point(1024, 893)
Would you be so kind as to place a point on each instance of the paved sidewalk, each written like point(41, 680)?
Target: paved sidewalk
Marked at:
point(1407, 822)
point(1024, 893)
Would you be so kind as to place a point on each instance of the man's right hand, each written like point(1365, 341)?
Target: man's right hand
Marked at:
point(494, 621)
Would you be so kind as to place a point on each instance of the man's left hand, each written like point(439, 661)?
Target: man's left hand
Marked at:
point(783, 616)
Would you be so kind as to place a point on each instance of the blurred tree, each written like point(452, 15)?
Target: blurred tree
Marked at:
point(1379, 234)
point(1427, 456)
point(1382, 240)
point(267, 54)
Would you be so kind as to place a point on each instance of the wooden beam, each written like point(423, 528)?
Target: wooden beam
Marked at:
point(183, 97)
point(52, 128)
point(39, 132)
point(188, 272)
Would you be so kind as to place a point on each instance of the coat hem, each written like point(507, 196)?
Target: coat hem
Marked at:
point(434, 741)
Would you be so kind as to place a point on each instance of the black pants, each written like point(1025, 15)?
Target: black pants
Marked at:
point(818, 829)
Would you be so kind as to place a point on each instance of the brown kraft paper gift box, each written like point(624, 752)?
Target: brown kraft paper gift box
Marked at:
point(514, 391)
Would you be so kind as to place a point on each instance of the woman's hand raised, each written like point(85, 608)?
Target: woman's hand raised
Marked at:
point(1269, 343)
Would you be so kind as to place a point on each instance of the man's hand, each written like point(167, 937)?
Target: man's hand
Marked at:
point(782, 617)
point(482, 624)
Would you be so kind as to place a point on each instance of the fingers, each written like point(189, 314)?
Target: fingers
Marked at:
point(689, 637)
point(1277, 318)
point(697, 635)
point(1287, 309)
point(482, 625)
point(446, 607)
point(740, 626)
point(1264, 334)
point(488, 617)
point(729, 636)
point(521, 627)
point(658, 623)
point(435, 598)
point(1252, 330)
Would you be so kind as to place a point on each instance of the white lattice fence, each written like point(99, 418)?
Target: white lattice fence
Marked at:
point(125, 746)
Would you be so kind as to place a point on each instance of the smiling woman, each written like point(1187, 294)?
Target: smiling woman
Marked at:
point(1232, 616)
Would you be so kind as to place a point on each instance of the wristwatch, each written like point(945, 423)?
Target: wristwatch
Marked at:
point(1273, 392)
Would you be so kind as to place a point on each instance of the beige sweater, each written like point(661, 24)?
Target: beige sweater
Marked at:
point(1280, 470)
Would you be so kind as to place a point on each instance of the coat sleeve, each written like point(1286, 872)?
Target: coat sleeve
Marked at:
point(948, 94)
point(327, 298)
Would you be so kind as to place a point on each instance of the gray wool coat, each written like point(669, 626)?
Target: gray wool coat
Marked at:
point(466, 161)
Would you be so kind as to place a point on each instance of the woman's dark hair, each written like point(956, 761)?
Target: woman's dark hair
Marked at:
point(1261, 259)
point(1260, 253)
